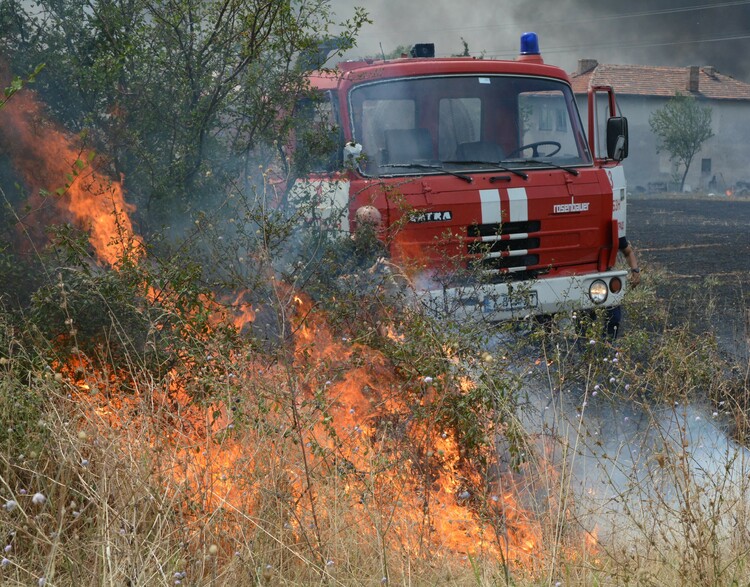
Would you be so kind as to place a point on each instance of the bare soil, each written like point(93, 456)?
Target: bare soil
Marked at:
point(702, 245)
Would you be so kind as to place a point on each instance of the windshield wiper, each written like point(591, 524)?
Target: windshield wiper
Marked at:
point(555, 165)
point(493, 164)
point(466, 178)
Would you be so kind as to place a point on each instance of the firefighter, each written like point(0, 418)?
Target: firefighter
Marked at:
point(614, 315)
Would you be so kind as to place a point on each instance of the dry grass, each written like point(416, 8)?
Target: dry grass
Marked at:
point(334, 462)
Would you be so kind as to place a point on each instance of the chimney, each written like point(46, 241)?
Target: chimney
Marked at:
point(710, 70)
point(692, 83)
point(585, 65)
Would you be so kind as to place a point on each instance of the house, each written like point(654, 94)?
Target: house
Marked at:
point(724, 159)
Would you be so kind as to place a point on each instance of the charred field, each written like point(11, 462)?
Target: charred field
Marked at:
point(702, 246)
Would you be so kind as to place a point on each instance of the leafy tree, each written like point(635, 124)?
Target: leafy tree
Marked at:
point(185, 96)
point(16, 84)
point(682, 125)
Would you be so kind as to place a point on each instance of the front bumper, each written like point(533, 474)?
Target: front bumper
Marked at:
point(521, 299)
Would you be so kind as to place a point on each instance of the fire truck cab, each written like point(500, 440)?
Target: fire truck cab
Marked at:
point(486, 187)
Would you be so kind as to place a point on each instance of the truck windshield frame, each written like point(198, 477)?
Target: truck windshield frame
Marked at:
point(438, 124)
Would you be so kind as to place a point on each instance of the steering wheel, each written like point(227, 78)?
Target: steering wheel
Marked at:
point(535, 149)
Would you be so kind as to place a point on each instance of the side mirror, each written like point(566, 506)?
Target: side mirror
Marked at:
point(617, 138)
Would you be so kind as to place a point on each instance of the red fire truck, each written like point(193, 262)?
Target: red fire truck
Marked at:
point(481, 178)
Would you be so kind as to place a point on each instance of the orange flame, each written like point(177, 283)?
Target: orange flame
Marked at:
point(54, 170)
point(437, 497)
point(436, 488)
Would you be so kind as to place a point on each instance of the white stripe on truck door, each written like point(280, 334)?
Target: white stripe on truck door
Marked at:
point(490, 206)
point(518, 206)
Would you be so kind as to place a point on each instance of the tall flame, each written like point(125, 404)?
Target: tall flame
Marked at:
point(56, 172)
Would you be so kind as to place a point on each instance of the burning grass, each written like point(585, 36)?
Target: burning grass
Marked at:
point(338, 460)
point(278, 471)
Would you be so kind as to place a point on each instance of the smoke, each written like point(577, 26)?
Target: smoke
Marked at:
point(629, 465)
point(645, 32)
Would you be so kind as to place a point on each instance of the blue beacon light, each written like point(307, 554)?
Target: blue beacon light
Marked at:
point(529, 44)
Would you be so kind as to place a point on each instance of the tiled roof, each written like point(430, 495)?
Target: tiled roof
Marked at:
point(647, 80)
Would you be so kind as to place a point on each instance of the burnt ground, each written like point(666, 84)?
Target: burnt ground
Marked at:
point(700, 246)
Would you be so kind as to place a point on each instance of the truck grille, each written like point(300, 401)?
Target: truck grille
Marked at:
point(496, 229)
point(504, 247)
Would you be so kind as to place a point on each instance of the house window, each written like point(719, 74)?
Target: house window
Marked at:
point(545, 117)
point(460, 122)
point(705, 166)
point(561, 120)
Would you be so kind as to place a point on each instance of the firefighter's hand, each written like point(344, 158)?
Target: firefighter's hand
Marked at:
point(635, 277)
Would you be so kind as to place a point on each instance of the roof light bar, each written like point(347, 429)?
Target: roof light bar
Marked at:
point(529, 44)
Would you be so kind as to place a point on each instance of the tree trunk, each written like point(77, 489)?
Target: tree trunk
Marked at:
point(684, 175)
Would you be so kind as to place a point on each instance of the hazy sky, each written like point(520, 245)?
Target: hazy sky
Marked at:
point(647, 32)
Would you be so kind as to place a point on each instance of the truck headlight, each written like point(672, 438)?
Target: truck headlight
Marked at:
point(598, 292)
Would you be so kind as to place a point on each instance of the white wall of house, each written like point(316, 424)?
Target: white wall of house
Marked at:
point(727, 153)
point(729, 149)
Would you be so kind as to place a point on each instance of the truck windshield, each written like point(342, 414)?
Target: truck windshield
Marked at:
point(464, 122)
